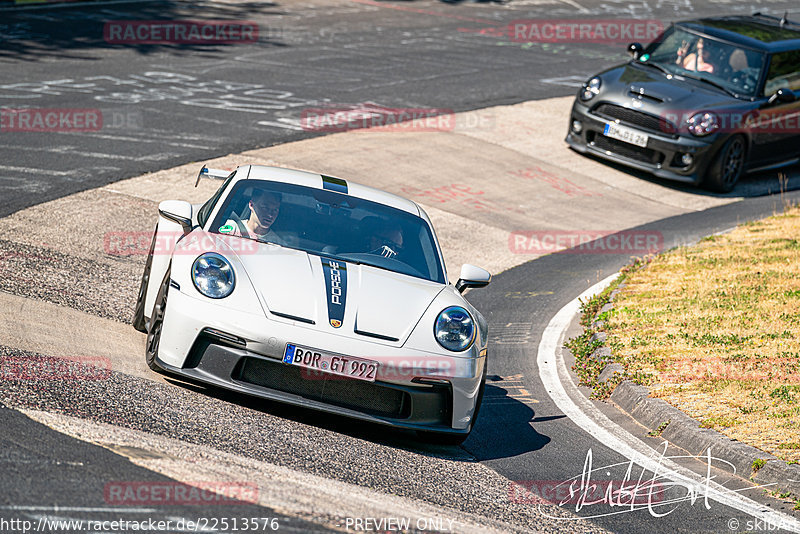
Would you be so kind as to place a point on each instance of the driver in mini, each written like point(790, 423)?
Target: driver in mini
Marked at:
point(701, 60)
point(264, 208)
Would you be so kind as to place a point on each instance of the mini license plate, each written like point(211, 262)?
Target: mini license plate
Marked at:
point(629, 135)
point(335, 364)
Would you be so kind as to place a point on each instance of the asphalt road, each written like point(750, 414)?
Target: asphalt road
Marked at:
point(84, 482)
point(522, 434)
point(164, 105)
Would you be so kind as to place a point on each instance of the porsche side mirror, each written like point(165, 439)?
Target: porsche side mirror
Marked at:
point(177, 211)
point(635, 50)
point(784, 95)
point(472, 276)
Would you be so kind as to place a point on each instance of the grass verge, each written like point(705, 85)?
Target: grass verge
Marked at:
point(714, 329)
point(589, 363)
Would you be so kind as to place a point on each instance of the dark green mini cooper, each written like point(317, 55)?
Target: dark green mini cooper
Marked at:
point(707, 101)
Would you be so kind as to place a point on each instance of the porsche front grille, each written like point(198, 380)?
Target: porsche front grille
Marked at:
point(366, 397)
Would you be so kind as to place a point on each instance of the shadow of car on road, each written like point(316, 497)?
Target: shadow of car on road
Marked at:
point(504, 428)
point(364, 430)
point(749, 185)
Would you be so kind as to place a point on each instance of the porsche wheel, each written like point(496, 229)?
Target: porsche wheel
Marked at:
point(728, 165)
point(156, 324)
point(139, 322)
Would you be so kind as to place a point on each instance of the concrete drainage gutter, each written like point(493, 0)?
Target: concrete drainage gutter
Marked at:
point(685, 432)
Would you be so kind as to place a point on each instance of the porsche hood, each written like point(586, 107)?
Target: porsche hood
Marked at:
point(336, 296)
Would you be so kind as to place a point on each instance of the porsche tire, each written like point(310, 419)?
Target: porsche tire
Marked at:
point(156, 324)
point(139, 322)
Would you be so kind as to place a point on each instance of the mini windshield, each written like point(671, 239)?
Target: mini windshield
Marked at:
point(331, 224)
point(733, 69)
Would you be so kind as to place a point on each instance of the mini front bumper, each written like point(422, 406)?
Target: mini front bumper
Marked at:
point(661, 157)
point(200, 344)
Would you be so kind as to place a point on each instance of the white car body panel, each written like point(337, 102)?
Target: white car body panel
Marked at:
point(389, 317)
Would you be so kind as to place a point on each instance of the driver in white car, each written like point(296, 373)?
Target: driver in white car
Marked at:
point(264, 208)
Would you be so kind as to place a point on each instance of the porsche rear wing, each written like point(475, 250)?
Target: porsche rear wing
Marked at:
point(219, 174)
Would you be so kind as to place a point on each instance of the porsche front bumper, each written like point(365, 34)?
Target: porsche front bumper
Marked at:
point(202, 343)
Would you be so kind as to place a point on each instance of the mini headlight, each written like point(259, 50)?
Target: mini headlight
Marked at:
point(702, 123)
point(213, 275)
point(454, 329)
point(591, 89)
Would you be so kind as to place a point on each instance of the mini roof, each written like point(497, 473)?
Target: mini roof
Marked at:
point(762, 32)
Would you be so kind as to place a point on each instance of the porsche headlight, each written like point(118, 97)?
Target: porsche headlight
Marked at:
point(213, 275)
point(454, 329)
point(702, 123)
point(591, 89)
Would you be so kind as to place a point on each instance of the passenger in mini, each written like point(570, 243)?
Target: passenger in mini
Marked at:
point(264, 208)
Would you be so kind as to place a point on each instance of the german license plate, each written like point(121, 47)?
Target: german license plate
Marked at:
point(629, 135)
point(326, 362)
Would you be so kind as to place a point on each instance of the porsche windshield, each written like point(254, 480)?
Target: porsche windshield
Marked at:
point(331, 224)
point(736, 70)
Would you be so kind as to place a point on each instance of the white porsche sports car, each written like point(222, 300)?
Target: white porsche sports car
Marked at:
point(314, 291)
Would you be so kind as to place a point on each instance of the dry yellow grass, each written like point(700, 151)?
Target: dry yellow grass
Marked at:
point(716, 326)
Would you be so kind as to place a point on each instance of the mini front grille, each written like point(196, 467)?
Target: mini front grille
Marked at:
point(631, 117)
point(637, 153)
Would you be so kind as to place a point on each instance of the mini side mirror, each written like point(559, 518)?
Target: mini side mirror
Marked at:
point(784, 95)
point(472, 276)
point(635, 50)
point(177, 211)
